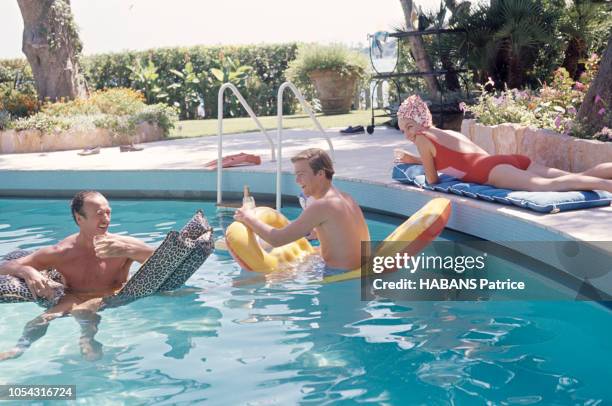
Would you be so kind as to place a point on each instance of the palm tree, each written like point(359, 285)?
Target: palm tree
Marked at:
point(505, 38)
point(580, 23)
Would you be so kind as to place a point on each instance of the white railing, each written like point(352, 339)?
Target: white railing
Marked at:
point(279, 140)
point(248, 109)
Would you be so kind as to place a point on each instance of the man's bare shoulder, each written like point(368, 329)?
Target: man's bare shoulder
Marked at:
point(49, 256)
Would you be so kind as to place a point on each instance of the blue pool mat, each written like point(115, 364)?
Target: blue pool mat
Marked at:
point(542, 202)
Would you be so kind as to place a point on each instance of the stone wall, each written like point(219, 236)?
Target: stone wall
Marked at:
point(12, 141)
point(542, 146)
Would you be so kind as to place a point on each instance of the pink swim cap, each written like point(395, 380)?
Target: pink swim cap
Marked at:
point(413, 108)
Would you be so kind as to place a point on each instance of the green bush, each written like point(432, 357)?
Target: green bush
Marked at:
point(119, 110)
point(160, 83)
point(159, 69)
point(554, 106)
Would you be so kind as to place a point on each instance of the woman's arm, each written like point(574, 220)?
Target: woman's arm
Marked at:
point(426, 150)
point(406, 157)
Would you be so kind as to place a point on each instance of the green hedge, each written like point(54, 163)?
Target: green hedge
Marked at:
point(269, 63)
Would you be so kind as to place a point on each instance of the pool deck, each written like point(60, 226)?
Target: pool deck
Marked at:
point(361, 158)
point(363, 163)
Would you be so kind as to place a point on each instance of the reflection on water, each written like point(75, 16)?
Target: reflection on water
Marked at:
point(291, 339)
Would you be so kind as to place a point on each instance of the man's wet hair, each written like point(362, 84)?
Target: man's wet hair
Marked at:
point(318, 160)
point(76, 205)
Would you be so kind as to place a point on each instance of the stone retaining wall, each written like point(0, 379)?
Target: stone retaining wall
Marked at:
point(12, 141)
point(542, 146)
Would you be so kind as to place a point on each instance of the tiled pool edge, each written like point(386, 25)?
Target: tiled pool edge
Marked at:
point(389, 198)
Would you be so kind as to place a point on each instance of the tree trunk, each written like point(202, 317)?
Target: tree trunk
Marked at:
point(589, 109)
point(576, 50)
point(421, 58)
point(52, 46)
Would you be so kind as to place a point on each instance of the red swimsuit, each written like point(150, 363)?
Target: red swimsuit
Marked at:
point(472, 166)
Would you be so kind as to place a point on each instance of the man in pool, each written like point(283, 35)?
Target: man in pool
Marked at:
point(93, 263)
point(334, 215)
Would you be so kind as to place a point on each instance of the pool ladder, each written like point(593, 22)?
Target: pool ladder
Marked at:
point(279, 136)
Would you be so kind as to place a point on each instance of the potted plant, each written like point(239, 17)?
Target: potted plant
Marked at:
point(333, 70)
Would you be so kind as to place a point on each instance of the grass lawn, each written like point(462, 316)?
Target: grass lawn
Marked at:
point(201, 128)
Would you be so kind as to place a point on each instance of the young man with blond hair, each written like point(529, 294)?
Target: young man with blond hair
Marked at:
point(334, 215)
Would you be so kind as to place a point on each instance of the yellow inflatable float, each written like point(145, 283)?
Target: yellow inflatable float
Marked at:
point(411, 237)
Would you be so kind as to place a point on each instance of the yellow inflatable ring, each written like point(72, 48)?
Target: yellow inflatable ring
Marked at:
point(411, 237)
point(244, 245)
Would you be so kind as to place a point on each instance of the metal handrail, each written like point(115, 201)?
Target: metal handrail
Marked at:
point(279, 124)
point(248, 109)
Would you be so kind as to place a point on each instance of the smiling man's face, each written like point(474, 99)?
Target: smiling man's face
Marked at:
point(306, 178)
point(96, 215)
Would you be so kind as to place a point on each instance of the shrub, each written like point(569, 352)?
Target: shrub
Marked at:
point(268, 63)
point(17, 103)
point(554, 106)
point(118, 110)
point(118, 101)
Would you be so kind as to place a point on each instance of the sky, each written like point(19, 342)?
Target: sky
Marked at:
point(117, 25)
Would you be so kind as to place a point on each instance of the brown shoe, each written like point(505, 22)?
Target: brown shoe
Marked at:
point(129, 148)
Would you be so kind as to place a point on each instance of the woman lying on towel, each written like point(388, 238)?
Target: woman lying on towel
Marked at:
point(454, 154)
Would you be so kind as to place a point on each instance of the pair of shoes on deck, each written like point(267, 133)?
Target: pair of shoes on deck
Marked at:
point(353, 130)
point(234, 160)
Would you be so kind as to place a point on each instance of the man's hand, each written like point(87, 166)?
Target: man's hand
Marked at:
point(244, 215)
point(118, 246)
point(111, 246)
point(39, 285)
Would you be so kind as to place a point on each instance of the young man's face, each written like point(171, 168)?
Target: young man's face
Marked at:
point(97, 215)
point(306, 178)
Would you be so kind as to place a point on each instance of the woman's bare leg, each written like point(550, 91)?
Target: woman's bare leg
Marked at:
point(545, 171)
point(510, 177)
point(603, 171)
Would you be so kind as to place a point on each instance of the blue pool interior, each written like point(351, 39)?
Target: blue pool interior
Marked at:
point(297, 341)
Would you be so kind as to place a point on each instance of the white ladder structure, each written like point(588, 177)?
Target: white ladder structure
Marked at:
point(279, 137)
point(279, 120)
point(248, 109)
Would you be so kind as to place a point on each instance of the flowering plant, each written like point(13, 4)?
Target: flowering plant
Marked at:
point(554, 106)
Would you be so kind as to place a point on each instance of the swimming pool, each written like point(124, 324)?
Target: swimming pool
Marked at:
point(293, 341)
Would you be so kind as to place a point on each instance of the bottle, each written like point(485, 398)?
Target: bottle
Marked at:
point(247, 200)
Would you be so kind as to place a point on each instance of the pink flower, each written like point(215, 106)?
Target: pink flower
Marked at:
point(598, 99)
point(558, 121)
point(571, 110)
point(462, 106)
point(579, 86)
point(601, 111)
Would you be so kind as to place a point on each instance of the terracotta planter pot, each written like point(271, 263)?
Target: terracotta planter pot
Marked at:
point(335, 91)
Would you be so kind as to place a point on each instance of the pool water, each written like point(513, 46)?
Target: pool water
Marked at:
point(295, 341)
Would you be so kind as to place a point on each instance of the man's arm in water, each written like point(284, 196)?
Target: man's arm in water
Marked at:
point(28, 268)
point(314, 215)
point(112, 246)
